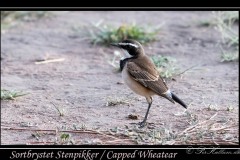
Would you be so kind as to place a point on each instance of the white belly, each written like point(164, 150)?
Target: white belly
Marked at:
point(134, 85)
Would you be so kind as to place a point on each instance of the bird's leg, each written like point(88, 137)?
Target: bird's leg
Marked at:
point(143, 123)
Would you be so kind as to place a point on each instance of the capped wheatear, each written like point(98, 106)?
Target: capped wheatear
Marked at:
point(140, 74)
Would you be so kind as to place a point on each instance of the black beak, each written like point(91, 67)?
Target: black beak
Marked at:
point(114, 44)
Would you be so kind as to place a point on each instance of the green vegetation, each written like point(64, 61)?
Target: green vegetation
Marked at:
point(59, 109)
point(10, 18)
point(10, 95)
point(229, 56)
point(165, 65)
point(105, 34)
point(225, 23)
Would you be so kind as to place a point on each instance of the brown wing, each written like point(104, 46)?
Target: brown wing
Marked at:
point(148, 78)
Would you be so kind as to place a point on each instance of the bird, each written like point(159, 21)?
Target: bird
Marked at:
point(140, 74)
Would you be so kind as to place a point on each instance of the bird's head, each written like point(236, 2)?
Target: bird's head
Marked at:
point(134, 48)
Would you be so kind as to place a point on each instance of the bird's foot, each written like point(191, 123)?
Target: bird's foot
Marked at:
point(142, 124)
point(149, 125)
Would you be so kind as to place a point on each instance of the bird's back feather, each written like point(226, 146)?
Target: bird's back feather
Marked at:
point(147, 74)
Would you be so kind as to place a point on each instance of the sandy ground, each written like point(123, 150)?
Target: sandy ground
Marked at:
point(82, 84)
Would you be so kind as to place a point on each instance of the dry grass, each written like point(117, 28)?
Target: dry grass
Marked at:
point(116, 100)
point(205, 132)
point(225, 22)
point(115, 60)
point(209, 131)
point(59, 109)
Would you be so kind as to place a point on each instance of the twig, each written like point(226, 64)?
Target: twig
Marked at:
point(218, 129)
point(210, 142)
point(27, 129)
point(68, 131)
point(40, 143)
point(120, 140)
point(50, 61)
point(194, 126)
point(185, 71)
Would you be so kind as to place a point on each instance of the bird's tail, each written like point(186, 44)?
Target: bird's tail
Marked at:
point(176, 99)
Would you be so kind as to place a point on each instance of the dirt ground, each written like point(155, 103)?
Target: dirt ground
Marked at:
point(81, 85)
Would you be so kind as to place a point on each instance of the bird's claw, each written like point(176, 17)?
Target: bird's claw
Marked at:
point(142, 124)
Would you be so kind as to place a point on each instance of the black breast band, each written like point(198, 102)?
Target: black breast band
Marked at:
point(124, 61)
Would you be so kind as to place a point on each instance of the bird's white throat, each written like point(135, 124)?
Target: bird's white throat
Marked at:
point(126, 54)
point(128, 44)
